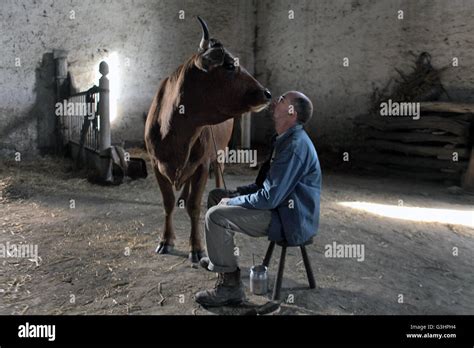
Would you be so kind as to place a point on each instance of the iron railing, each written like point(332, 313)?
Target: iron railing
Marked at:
point(80, 121)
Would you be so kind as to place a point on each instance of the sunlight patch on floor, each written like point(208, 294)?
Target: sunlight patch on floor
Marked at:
point(446, 216)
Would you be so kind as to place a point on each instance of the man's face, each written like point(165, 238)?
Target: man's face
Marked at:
point(280, 108)
point(283, 112)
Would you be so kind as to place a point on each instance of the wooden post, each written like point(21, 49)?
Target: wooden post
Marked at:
point(468, 182)
point(245, 126)
point(104, 113)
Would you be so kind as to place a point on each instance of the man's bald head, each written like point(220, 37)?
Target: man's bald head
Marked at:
point(301, 104)
point(290, 109)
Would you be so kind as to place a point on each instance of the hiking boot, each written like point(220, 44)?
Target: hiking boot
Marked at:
point(228, 290)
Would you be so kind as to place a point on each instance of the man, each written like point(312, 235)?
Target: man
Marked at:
point(283, 203)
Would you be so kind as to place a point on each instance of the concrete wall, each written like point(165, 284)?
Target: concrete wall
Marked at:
point(149, 41)
point(307, 54)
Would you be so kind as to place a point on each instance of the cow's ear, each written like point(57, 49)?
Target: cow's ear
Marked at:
point(210, 59)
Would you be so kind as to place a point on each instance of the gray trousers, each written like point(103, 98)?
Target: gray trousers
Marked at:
point(222, 221)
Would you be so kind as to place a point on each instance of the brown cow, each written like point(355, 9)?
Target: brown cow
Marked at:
point(208, 90)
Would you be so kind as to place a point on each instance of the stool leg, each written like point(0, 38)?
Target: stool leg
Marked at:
point(268, 255)
point(307, 265)
point(281, 268)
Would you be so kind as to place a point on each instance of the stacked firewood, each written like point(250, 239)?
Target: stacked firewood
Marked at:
point(436, 146)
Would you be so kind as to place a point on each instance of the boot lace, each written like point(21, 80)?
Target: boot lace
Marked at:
point(219, 281)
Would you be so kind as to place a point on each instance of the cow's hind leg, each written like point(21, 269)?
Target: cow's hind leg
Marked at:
point(193, 206)
point(167, 239)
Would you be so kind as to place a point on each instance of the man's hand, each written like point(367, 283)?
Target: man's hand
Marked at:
point(224, 201)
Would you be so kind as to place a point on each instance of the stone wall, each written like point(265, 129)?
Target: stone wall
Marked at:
point(148, 41)
point(307, 52)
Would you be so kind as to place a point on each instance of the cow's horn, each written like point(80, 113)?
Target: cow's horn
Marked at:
point(204, 45)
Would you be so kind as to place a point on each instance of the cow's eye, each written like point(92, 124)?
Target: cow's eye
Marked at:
point(229, 66)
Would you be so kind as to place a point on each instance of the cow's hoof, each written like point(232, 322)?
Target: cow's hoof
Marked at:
point(163, 248)
point(196, 256)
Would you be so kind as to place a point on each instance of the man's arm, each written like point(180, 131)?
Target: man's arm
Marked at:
point(245, 190)
point(258, 184)
point(285, 172)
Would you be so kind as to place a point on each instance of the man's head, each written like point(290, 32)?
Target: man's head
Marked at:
point(291, 108)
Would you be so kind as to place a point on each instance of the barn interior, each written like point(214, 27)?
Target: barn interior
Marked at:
point(400, 190)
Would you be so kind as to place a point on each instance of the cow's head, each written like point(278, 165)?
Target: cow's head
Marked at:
point(227, 84)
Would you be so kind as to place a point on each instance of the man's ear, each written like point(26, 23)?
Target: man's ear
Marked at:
point(291, 110)
point(292, 113)
point(210, 59)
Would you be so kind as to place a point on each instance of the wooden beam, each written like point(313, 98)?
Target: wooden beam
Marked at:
point(402, 123)
point(465, 117)
point(417, 137)
point(419, 150)
point(447, 107)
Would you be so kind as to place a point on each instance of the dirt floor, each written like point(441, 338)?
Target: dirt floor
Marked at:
point(98, 258)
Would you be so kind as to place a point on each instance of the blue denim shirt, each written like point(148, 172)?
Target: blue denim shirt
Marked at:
point(291, 190)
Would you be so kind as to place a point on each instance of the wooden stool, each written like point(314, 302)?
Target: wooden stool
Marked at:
point(281, 265)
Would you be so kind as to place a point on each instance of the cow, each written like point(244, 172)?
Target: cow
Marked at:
point(208, 91)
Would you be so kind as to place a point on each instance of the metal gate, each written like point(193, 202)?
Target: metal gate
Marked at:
point(84, 125)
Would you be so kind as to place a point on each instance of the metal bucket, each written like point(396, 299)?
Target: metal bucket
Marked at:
point(259, 280)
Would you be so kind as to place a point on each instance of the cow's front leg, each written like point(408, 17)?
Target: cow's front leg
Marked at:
point(183, 197)
point(219, 169)
point(167, 239)
point(193, 207)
